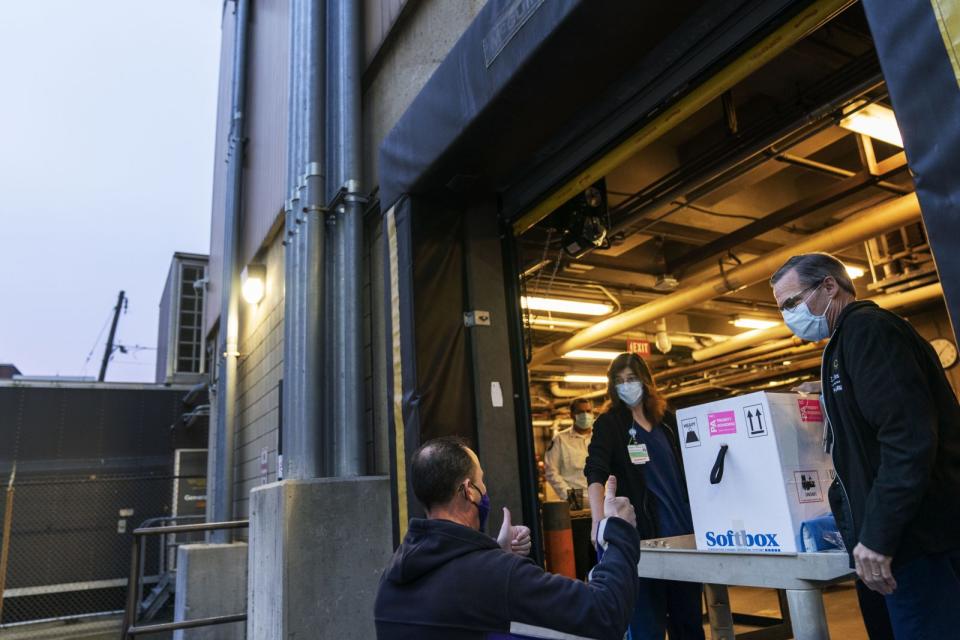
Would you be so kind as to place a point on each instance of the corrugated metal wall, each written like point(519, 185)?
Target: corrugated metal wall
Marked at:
point(212, 299)
point(265, 167)
point(265, 171)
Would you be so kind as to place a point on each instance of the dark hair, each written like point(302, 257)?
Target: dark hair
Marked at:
point(437, 469)
point(813, 268)
point(576, 401)
point(654, 404)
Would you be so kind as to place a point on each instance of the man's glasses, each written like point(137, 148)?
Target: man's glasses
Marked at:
point(794, 301)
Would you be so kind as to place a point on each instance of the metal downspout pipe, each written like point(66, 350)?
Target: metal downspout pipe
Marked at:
point(313, 212)
point(303, 262)
point(347, 455)
point(872, 222)
point(228, 339)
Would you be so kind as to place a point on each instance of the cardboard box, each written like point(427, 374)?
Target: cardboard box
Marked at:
point(775, 471)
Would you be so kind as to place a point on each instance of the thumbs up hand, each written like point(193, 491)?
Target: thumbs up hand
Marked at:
point(617, 507)
point(514, 539)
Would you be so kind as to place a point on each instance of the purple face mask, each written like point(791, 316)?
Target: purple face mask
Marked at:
point(483, 507)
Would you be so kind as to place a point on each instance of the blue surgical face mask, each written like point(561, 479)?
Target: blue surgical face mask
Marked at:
point(583, 421)
point(630, 392)
point(804, 324)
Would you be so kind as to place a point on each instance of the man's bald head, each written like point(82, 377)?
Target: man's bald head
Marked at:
point(439, 467)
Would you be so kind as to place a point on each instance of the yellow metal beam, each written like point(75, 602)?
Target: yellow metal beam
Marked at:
point(766, 50)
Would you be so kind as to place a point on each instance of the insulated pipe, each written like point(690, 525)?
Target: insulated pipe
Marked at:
point(676, 372)
point(750, 338)
point(756, 57)
point(741, 378)
point(854, 229)
point(222, 437)
point(348, 415)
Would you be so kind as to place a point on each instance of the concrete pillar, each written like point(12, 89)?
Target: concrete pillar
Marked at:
point(492, 375)
point(317, 550)
point(211, 581)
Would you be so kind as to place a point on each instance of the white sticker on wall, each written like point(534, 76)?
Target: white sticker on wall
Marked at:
point(496, 394)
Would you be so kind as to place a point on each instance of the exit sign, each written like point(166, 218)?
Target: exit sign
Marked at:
point(639, 347)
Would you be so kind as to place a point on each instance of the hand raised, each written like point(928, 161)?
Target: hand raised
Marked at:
point(617, 507)
point(514, 539)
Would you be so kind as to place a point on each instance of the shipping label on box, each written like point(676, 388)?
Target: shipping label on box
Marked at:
point(775, 472)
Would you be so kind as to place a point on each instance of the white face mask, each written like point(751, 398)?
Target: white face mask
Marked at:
point(630, 392)
point(804, 324)
point(583, 421)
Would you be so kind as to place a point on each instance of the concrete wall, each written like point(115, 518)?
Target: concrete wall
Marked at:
point(420, 42)
point(211, 581)
point(314, 571)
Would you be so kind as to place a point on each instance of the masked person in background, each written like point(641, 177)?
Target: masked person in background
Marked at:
point(894, 435)
point(567, 454)
point(636, 440)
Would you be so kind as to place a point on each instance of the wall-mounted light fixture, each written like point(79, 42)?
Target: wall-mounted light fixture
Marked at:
point(253, 283)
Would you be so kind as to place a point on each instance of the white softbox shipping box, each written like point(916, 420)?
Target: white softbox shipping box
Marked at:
point(755, 469)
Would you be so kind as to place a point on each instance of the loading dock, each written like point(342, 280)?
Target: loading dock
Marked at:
point(739, 151)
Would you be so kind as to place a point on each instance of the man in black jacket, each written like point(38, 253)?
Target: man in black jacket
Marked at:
point(450, 581)
point(894, 433)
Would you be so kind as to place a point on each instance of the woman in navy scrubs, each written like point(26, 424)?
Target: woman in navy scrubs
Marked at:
point(636, 440)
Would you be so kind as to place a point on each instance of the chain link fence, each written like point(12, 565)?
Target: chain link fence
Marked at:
point(70, 542)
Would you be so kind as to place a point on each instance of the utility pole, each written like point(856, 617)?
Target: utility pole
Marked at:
point(108, 351)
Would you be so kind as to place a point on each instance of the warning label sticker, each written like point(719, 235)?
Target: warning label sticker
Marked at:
point(808, 486)
point(810, 410)
point(690, 433)
point(755, 420)
point(722, 422)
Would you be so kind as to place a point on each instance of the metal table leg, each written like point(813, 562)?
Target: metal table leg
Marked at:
point(807, 614)
point(718, 610)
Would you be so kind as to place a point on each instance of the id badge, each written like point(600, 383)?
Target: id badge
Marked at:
point(638, 453)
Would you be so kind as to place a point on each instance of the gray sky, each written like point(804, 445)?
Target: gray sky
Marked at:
point(107, 118)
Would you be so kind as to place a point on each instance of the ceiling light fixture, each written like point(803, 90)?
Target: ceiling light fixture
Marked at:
point(742, 322)
point(548, 321)
point(559, 305)
point(591, 354)
point(584, 378)
point(874, 120)
point(854, 271)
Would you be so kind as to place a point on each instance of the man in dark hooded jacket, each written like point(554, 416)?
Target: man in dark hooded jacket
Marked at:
point(450, 581)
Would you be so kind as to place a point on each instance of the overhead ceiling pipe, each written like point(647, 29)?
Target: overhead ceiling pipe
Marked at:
point(676, 372)
point(857, 228)
point(741, 378)
point(794, 30)
point(750, 338)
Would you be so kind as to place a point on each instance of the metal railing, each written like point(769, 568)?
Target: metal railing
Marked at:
point(130, 629)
